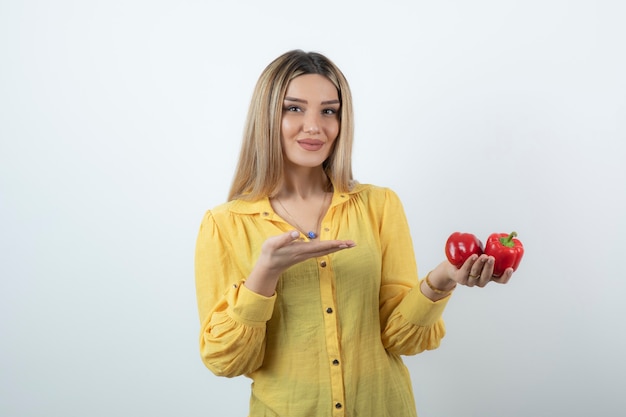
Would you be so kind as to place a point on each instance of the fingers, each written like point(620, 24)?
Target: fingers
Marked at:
point(282, 251)
point(316, 246)
point(486, 270)
point(481, 272)
point(313, 249)
point(279, 241)
point(505, 277)
point(470, 271)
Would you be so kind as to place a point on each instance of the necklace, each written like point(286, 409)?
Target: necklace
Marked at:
point(310, 234)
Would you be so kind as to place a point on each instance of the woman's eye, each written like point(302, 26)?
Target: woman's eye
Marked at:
point(329, 112)
point(293, 108)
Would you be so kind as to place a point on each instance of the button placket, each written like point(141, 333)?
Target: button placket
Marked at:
point(331, 324)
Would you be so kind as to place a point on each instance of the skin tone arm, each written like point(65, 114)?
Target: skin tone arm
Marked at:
point(283, 251)
point(476, 271)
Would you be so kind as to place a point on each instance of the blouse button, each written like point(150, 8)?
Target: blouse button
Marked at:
point(326, 229)
point(336, 362)
point(329, 310)
point(323, 264)
point(338, 405)
point(265, 214)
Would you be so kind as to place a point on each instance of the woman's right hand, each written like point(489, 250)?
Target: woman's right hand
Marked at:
point(278, 253)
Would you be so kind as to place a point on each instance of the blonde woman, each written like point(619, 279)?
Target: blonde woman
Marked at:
point(306, 280)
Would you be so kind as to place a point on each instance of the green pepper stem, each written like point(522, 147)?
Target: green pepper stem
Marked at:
point(508, 241)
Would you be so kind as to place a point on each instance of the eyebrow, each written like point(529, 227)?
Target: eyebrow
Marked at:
point(299, 100)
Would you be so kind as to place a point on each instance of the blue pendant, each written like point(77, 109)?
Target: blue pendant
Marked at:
point(311, 235)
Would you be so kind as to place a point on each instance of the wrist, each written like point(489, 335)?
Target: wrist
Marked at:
point(437, 284)
point(262, 280)
point(438, 288)
point(440, 277)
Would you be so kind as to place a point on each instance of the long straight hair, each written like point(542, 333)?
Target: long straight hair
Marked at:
point(260, 168)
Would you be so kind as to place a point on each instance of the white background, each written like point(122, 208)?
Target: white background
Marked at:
point(120, 124)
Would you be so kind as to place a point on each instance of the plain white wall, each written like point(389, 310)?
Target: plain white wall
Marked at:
point(120, 123)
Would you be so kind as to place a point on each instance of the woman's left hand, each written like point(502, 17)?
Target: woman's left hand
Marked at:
point(477, 271)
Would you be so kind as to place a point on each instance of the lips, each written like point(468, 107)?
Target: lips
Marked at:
point(311, 144)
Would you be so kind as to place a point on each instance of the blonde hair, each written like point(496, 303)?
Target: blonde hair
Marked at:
point(260, 167)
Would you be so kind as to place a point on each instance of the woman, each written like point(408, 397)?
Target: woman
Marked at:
point(306, 280)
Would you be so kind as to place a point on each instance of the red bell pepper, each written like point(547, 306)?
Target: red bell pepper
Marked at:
point(506, 250)
point(461, 246)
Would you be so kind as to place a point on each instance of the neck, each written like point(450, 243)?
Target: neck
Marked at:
point(303, 184)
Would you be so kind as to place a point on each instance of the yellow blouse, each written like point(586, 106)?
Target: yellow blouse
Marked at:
point(328, 342)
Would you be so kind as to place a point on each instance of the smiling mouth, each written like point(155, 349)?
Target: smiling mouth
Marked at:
point(311, 144)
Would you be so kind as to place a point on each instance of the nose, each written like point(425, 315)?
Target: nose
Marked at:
point(311, 124)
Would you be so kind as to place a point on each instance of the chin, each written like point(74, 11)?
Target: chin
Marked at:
point(307, 162)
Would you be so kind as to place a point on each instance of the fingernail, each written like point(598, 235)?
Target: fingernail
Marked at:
point(295, 234)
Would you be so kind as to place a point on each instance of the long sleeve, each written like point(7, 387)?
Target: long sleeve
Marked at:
point(233, 318)
point(329, 343)
point(410, 321)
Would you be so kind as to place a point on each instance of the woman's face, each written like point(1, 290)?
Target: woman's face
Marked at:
point(310, 120)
